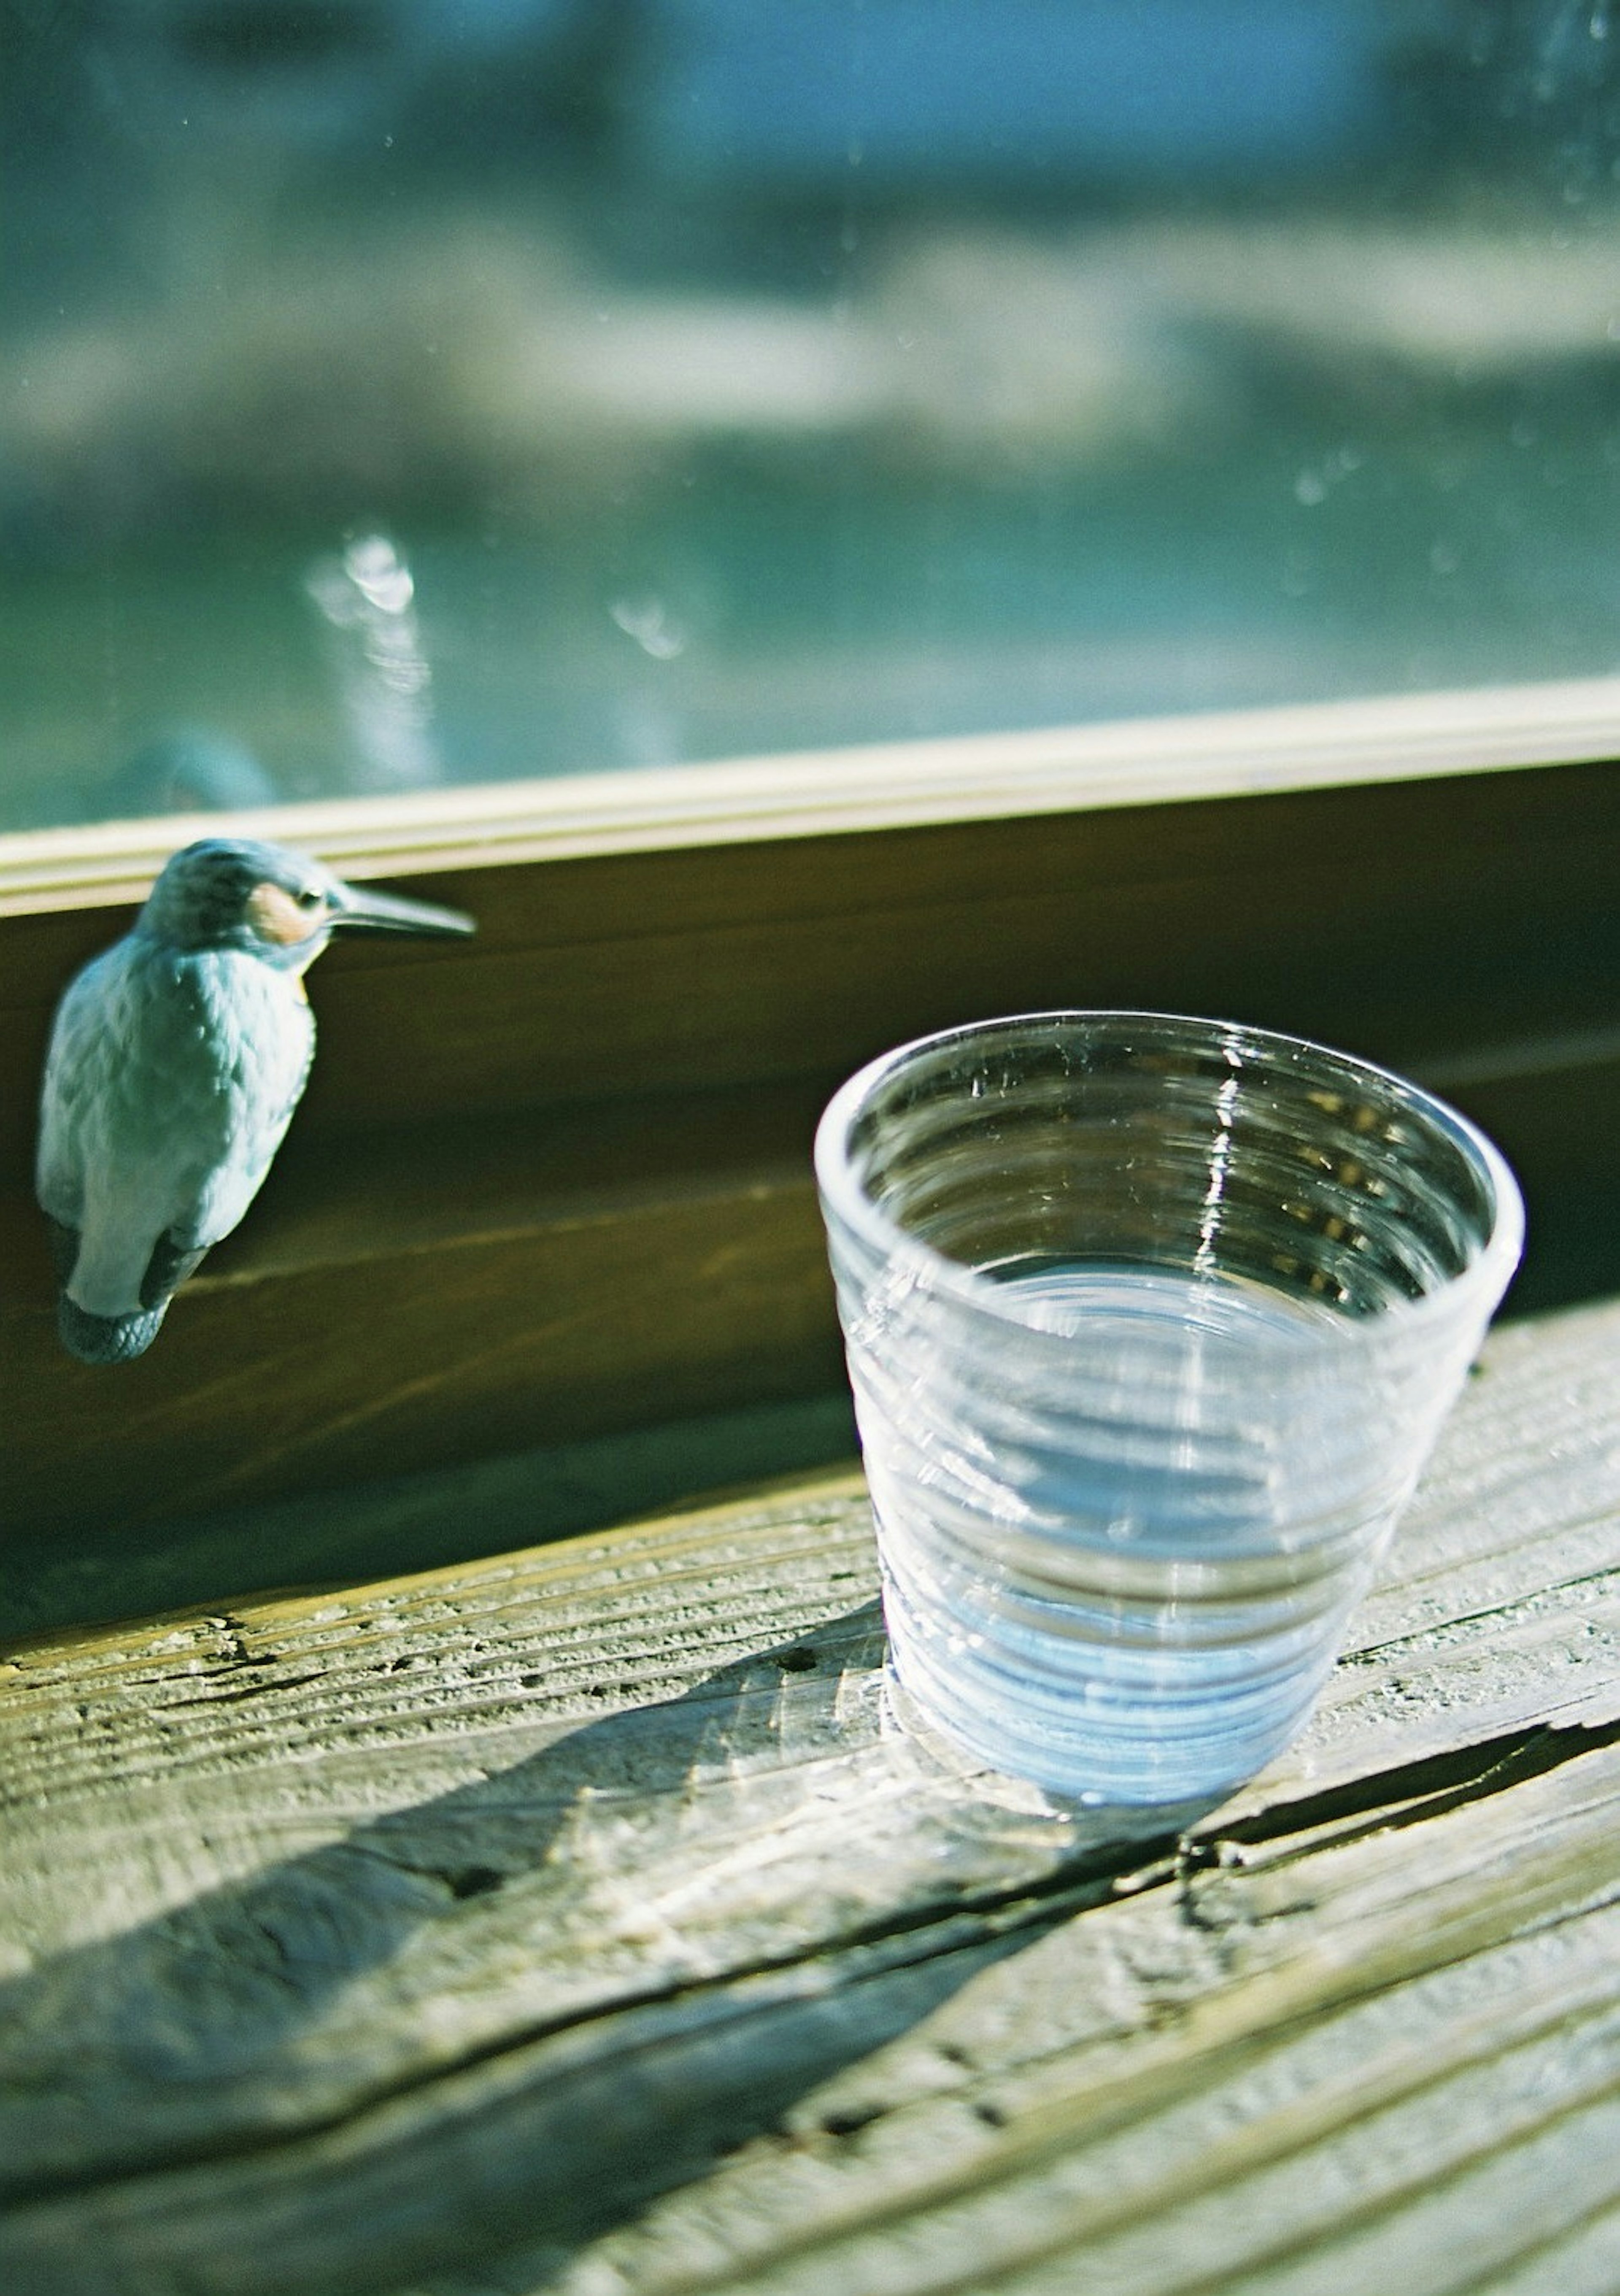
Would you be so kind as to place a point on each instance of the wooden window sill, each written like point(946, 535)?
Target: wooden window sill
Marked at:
point(578, 1918)
point(556, 1180)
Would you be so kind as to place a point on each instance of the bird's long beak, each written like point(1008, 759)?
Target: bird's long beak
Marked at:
point(361, 907)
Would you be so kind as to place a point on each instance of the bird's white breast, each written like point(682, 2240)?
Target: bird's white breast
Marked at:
point(171, 1081)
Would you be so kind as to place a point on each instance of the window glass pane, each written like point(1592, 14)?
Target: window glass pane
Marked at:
point(405, 391)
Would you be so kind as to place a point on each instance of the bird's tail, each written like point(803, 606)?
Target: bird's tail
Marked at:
point(106, 1339)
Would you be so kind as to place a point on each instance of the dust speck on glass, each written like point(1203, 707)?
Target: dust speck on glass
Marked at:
point(401, 392)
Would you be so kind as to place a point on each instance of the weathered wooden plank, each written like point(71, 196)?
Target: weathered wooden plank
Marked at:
point(1413, 921)
point(1212, 2076)
point(1458, 928)
point(1510, 1541)
point(398, 1301)
point(1582, 2260)
point(1297, 2074)
point(354, 1934)
point(415, 1522)
point(460, 1295)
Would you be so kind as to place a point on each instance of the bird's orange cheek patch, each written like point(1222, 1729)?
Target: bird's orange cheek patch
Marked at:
point(277, 917)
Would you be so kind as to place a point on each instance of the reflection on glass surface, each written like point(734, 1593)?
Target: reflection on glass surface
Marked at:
point(404, 390)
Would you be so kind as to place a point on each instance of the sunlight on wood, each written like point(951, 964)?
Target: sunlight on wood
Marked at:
point(581, 1921)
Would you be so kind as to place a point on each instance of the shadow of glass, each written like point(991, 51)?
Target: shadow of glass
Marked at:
point(518, 2012)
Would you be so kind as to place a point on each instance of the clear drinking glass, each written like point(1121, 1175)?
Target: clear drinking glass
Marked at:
point(1151, 1324)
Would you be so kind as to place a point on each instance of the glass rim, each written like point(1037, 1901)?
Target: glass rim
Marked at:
point(842, 1195)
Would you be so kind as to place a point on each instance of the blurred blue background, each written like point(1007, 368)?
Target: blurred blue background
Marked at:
point(405, 391)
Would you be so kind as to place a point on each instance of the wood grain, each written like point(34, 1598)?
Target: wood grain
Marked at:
point(1405, 919)
point(581, 1921)
point(403, 1302)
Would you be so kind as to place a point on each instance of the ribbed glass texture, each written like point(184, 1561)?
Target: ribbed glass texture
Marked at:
point(1151, 1324)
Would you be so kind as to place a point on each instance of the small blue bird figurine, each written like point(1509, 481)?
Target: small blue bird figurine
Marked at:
point(176, 1060)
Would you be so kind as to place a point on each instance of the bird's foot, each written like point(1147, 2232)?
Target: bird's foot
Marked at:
point(106, 1339)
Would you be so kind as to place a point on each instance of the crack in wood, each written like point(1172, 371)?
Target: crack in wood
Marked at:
point(392, 1977)
point(249, 1690)
point(1098, 1876)
point(1414, 1791)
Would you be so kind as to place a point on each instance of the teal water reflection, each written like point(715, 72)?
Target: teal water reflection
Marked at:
point(761, 611)
point(399, 394)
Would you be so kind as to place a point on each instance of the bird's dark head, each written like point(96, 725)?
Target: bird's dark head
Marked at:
point(282, 906)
